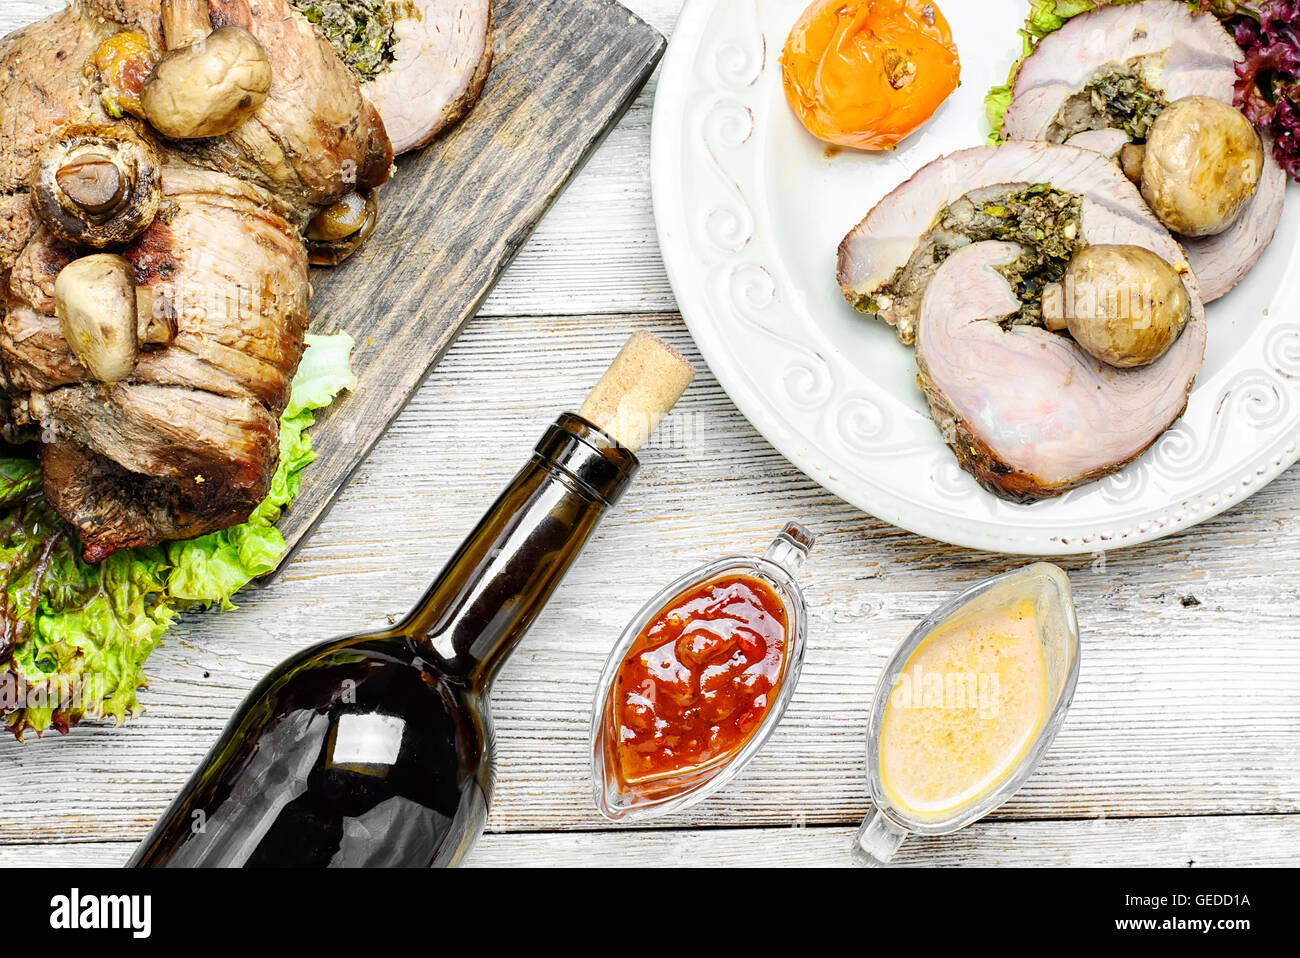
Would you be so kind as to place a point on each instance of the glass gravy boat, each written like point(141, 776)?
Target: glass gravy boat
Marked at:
point(1048, 589)
point(777, 567)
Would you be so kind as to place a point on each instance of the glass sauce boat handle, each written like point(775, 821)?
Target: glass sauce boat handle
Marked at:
point(877, 840)
point(790, 548)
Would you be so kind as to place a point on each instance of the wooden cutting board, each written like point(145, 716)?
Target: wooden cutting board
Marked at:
point(456, 213)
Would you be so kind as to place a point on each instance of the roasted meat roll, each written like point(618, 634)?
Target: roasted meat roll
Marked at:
point(184, 259)
point(958, 260)
point(1117, 70)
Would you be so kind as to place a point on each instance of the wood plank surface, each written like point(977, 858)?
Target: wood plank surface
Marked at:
point(1187, 699)
point(456, 213)
point(1185, 733)
point(1217, 841)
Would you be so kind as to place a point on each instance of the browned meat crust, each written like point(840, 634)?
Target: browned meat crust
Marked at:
point(113, 508)
point(974, 456)
point(190, 442)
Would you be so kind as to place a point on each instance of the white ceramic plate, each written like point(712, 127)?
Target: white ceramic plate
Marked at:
point(750, 210)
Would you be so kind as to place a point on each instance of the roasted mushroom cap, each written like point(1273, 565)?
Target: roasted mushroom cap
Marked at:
point(208, 88)
point(96, 304)
point(96, 186)
point(338, 231)
point(1203, 163)
point(1123, 304)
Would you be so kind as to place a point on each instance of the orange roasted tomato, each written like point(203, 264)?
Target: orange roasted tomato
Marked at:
point(123, 61)
point(866, 73)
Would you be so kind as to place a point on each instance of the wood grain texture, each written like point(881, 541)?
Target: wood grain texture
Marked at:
point(1188, 709)
point(455, 214)
point(1216, 841)
point(1187, 702)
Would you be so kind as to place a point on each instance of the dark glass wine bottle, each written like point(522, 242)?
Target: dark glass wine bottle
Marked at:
point(376, 750)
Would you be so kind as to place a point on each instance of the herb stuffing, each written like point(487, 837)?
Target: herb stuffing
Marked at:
point(1042, 219)
point(1268, 78)
point(1045, 222)
point(360, 31)
point(74, 637)
point(1115, 98)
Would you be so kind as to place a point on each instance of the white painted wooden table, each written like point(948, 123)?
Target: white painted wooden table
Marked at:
point(1183, 745)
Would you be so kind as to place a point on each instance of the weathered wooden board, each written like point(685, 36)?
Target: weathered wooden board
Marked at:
point(455, 214)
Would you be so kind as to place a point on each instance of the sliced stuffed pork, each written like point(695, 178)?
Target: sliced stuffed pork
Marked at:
point(422, 63)
point(966, 261)
point(1161, 77)
point(1029, 413)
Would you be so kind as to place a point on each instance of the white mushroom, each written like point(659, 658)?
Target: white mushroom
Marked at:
point(1202, 165)
point(338, 231)
point(96, 186)
point(96, 304)
point(208, 88)
point(1123, 304)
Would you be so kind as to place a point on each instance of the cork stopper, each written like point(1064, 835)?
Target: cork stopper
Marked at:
point(643, 383)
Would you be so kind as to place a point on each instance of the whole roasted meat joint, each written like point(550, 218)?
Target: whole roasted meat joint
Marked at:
point(172, 169)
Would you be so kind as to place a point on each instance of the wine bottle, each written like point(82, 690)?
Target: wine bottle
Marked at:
point(376, 750)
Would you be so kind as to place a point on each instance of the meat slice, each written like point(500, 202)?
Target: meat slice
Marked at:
point(442, 58)
point(1027, 412)
point(213, 447)
point(1176, 51)
point(876, 252)
point(1107, 142)
point(230, 275)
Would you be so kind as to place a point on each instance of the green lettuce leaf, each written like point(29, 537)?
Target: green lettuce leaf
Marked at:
point(209, 570)
point(74, 637)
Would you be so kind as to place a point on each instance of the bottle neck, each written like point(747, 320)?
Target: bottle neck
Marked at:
point(487, 596)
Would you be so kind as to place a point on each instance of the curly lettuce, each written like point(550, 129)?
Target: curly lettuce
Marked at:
point(74, 637)
point(1268, 79)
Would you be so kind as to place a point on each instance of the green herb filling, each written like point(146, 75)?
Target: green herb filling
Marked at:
point(360, 31)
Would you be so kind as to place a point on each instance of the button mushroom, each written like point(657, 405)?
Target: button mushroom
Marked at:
point(1123, 304)
point(96, 186)
point(338, 231)
point(96, 304)
point(1131, 158)
point(1202, 164)
point(208, 88)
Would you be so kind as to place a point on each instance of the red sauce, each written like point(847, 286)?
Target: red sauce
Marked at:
point(699, 678)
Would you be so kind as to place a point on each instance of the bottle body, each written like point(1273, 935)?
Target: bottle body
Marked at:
point(376, 750)
point(350, 754)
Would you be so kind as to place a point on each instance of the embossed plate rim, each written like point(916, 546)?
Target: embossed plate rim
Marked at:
point(917, 490)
